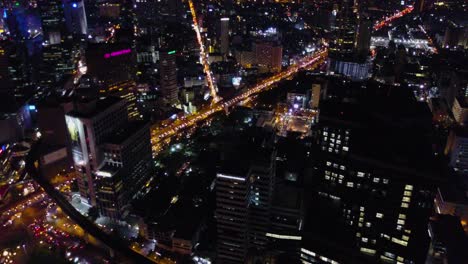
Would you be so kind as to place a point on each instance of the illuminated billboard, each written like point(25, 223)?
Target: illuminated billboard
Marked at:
point(117, 53)
point(74, 127)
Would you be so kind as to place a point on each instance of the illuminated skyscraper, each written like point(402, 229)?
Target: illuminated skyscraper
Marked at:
point(372, 203)
point(168, 75)
point(343, 43)
point(126, 167)
point(112, 156)
point(75, 17)
point(243, 202)
point(89, 125)
point(53, 20)
point(363, 36)
point(224, 36)
point(57, 62)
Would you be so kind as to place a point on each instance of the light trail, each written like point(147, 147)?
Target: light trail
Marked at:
point(203, 55)
point(397, 15)
point(309, 62)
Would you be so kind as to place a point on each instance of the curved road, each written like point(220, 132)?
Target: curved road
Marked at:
point(118, 245)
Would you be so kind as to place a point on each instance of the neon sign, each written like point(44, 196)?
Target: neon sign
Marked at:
point(117, 53)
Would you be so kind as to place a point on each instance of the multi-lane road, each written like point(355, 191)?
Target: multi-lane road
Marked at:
point(161, 133)
point(203, 55)
point(387, 20)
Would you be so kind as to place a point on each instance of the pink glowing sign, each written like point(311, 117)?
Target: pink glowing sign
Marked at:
point(117, 53)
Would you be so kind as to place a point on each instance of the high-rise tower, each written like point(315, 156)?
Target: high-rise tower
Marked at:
point(168, 73)
point(75, 17)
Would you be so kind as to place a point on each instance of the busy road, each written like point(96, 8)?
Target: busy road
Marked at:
point(387, 20)
point(203, 55)
point(309, 62)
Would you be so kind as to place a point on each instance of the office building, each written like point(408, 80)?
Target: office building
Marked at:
point(127, 166)
point(244, 193)
point(224, 36)
point(126, 90)
point(15, 119)
point(354, 68)
point(168, 75)
point(448, 240)
point(343, 44)
point(375, 190)
point(460, 110)
point(456, 36)
point(457, 150)
point(53, 20)
point(75, 17)
point(110, 63)
point(55, 145)
point(89, 125)
point(112, 155)
point(315, 95)
point(363, 36)
point(57, 64)
point(231, 212)
point(12, 78)
point(268, 56)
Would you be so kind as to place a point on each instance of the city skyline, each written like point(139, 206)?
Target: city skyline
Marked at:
point(193, 131)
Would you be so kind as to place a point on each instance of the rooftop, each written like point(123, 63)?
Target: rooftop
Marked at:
point(120, 136)
point(387, 125)
point(88, 108)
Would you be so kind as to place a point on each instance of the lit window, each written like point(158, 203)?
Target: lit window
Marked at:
point(361, 209)
point(404, 205)
point(379, 215)
point(409, 187)
point(376, 180)
point(360, 174)
point(406, 199)
point(329, 163)
point(345, 148)
point(405, 238)
point(368, 251)
point(402, 216)
point(407, 193)
point(401, 222)
point(350, 184)
point(399, 241)
point(385, 181)
point(368, 224)
point(364, 239)
point(342, 167)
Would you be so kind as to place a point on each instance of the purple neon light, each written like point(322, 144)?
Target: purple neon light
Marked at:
point(117, 53)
